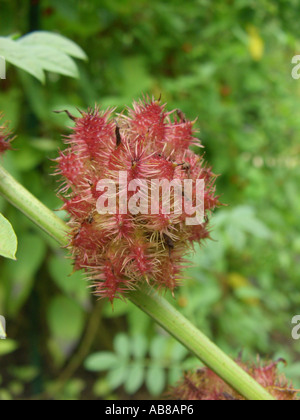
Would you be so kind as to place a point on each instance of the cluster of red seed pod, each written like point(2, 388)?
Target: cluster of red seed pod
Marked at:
point(121, 250)
point(205, 385)
point(5, 137)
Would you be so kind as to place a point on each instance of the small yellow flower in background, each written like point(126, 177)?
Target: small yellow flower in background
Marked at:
point(256, 43)
point(243, 287)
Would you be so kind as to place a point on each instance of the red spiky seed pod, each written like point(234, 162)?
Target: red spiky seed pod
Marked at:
point(5, 137)
point(119, 250)
point(205, 385)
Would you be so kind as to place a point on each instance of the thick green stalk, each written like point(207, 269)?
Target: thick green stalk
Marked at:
point(29, 205)
point(177, 325)
point(146, 298)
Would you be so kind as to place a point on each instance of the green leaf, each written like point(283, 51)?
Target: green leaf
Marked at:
point(178, 352)
point(66, 321)
point(174, 374)
point(73, 389)
point(41, 51)
point(245, 217)
point(5, 395)
point(21, 275)
point(58, 42)
point(117, 376)
point(139, 346)
point(158, 347)
point(156, 380)
point(73, 285)
point(135, 378)
point(55, 61)
point(21, 57)
point(24, 373)
point(8, 239)
point(7, 347)
point(122, 345)
point(101, 361)
point(101, 388)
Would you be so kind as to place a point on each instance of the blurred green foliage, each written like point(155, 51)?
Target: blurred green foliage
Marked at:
point(227, 63)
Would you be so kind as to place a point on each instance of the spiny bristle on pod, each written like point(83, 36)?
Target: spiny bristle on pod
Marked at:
point(114, 160)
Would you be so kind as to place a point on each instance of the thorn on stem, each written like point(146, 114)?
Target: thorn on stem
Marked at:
point(68, 114)
point(181, 115)
point(118, 136)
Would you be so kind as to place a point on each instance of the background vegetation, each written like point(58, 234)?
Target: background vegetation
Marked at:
point(227, 62)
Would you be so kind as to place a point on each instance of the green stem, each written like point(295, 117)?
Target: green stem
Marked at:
point(186, 333)
point(146, 298)
point(23, 200)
